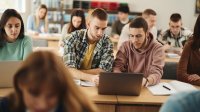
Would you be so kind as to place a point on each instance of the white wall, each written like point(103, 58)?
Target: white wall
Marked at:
point(27, 12)
point(165, 8)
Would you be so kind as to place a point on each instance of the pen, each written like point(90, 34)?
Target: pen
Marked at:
point(166, 87)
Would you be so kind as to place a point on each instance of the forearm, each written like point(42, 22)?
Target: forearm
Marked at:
point(166, 47)
point(189, 79)
point(197, 82)
point(117, 70)
point(153, 79)
point(93, 71)
point(77, 74)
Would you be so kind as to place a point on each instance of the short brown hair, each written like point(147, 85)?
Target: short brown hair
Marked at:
point(148, 12)
point(99, 13)
point(139, 22)
point(175, 17)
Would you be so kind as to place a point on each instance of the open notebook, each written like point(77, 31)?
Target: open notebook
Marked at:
point(172, 87)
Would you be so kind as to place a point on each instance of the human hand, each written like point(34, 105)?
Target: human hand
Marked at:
point(94, 79)
point(145, 82)
point(193, 77)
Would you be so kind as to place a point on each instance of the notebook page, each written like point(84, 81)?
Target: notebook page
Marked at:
point(160, 90)
point(182, 86)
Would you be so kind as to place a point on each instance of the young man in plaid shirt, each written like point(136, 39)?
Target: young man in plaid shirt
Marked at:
point(89, 51)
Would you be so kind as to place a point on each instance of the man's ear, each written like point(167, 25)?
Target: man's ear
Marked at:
point(88, 24)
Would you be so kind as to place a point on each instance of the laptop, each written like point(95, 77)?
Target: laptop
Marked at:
point(120, 83)
point(7, 71)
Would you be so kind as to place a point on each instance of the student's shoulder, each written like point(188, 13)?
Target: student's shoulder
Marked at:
point(27, 38)
point(166, 33)
point(186, 31)
point(116, 22)
point(126, 45)
point(76, 36)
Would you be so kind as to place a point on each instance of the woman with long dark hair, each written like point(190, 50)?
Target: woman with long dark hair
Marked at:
point(188, 67)
point(14, 45)
point(77, 22)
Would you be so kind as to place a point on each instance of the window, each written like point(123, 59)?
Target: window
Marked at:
point(19, 5)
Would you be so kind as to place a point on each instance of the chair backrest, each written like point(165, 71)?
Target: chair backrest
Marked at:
point(40, 43)
point(169, 70)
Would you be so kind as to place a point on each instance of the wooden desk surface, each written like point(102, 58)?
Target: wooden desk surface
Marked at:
point(145, 97)
point(52, 49)
point(92, 92)
point(5, 91)
point(52, 37)
point(167, 59)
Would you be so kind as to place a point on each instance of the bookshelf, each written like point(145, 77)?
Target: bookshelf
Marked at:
point(59, 11)
point(112, 15)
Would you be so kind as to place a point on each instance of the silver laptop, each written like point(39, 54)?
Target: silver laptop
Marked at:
point(7, 71)
point(120, 83)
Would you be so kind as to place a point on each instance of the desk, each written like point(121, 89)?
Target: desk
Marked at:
point(105, 103)
point(146, 102)
point(53, 39)
point(167, 59)
point(52, 49)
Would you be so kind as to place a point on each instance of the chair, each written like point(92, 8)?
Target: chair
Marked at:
point(169, 70)
point(40, 43)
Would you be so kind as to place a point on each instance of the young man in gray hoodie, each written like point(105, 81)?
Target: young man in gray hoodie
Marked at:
point(141, 54)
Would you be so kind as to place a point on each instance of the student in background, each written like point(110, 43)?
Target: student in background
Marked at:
point(38, 23)
point(150, 16)
point(188, 67)
point(77, 22)
point(141, 54)
point(14, 45)
point(123, 19)
point(44, 84)
point(182, 102)
point(89, 51)
point(175, 36)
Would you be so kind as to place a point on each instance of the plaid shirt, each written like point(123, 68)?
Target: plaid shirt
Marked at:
point(168, 38)
point(76, 46)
